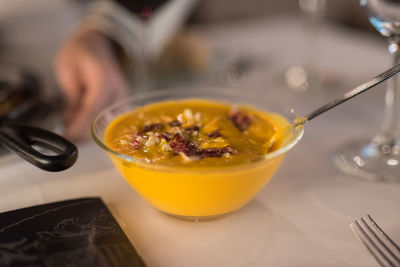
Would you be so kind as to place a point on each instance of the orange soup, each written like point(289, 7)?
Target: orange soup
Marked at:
point(195, 158)
point(194, 133)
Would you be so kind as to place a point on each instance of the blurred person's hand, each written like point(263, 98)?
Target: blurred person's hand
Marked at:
point(90, 78)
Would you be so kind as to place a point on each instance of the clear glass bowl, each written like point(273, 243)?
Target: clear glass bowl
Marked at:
point(195, 194)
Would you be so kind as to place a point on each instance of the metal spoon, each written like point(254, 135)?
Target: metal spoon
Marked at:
point(352, 93)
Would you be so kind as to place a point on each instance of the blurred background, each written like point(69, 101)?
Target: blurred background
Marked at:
point(244, 43)
point(32, 31)
point(345, 12)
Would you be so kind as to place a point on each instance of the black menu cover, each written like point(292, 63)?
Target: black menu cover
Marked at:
point(80, 232)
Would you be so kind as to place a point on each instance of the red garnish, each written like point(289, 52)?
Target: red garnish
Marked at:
point(241, 120)
point(179, 143)
point(179, 138)
point(135, 143)
point(177, 147)
point(190, 149)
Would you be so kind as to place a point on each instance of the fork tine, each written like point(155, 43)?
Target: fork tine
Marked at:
point(385, 251)
point(395, 246)
point(376, 241)
point(366, 241)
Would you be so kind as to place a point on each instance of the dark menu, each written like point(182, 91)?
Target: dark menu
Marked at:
point(78, 232)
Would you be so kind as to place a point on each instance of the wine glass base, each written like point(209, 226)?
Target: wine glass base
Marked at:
point(370, 161)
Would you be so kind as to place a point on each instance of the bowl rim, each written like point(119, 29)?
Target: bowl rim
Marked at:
point(214, 92)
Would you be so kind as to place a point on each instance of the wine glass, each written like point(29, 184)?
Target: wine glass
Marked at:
point(378, 159)
point(304, 77)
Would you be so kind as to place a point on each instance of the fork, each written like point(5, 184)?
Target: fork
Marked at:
point(384, 250)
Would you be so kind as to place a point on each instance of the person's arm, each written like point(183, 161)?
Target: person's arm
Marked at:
point(87, 68)
point(90, 78)
point(138, 28)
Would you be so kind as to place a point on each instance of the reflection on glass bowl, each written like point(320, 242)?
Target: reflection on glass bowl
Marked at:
point(195, 193)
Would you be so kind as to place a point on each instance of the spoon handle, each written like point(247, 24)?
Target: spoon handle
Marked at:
point(358, 90)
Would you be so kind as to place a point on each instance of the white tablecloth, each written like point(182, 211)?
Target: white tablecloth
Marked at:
point(301, 217)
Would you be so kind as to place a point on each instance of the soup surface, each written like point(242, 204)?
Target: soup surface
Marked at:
point(194, 132)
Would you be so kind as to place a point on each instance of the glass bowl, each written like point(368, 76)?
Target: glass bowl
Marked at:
point(195, 193)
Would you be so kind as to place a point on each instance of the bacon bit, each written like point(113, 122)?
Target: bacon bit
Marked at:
point(152, 127)
point(215, 134)
point(241, 120)
point(210, 152)
point(216, 152)
point(167, 136)
point(175, 123)
point(191, 149)
point(192, 129)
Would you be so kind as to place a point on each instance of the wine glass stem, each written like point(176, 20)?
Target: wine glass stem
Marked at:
point(392, 98)
point(314, 11)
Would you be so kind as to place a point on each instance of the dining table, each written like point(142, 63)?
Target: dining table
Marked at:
point(301, 217)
